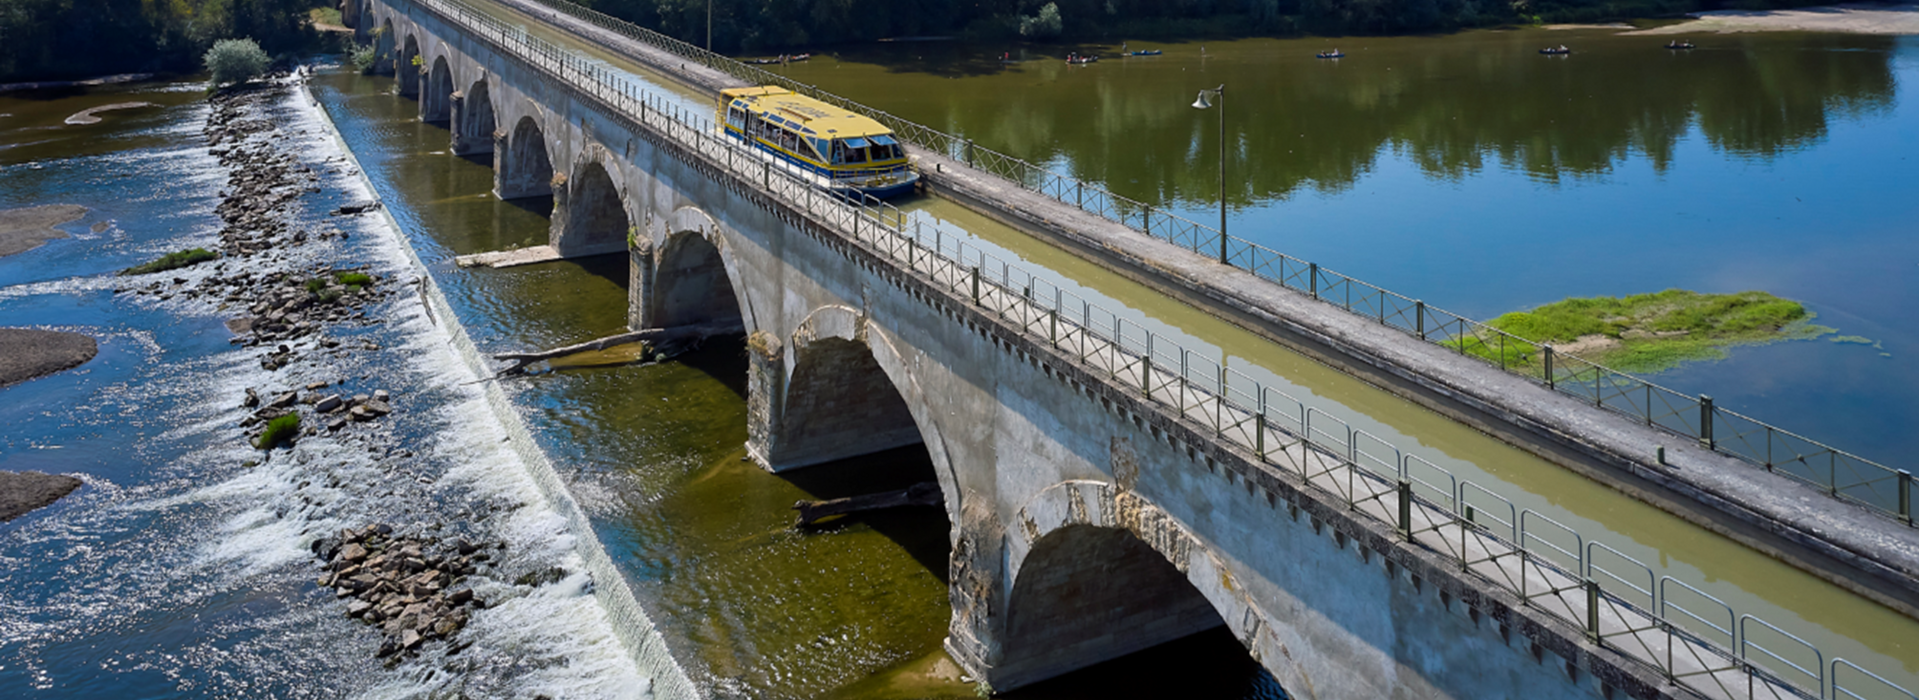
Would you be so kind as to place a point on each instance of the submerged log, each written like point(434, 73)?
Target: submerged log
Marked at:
point(651, 335)
point(921, 494)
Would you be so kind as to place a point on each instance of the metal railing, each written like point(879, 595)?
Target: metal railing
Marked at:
point(1664, 624)
point(1840, 474)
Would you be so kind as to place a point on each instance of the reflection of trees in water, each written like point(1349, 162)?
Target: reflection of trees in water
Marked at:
point(1448, 105)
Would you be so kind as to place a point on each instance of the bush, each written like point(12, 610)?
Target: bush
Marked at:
point(1045, 25)
point(173, 260)
point(278, 430)
point(236, 61)
point(353, 279)
point(363, 58)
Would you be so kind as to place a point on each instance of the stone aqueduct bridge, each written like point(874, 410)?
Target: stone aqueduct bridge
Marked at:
point(1088, 519)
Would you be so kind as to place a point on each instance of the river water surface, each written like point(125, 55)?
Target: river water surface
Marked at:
point(1466, 129)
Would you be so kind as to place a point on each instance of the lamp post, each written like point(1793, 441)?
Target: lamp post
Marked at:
point(1218, 94)
point(709, 26)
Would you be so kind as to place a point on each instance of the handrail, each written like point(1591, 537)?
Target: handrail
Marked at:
point(1138, 362)
point(1842, 475)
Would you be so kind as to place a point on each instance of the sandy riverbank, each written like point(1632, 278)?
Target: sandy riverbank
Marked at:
point(26, 353)
point(1851, 19)
point(27, 228)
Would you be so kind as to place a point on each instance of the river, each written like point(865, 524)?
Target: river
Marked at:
point(754, 607)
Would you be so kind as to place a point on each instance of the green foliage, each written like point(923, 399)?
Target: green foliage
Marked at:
point(1045, 25)
point(353, 279)
point(279, 430)
point(53, 39)
point(315, 285)
point(362, 58)
point(1644, 332)
point(173, 260)
point(236, 60)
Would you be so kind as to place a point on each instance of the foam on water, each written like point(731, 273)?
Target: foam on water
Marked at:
point(187, 574)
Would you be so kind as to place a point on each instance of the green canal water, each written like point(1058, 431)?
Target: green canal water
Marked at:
point(760, 609)
point(1470, 171)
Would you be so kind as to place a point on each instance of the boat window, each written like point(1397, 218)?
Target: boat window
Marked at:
point(856, 143)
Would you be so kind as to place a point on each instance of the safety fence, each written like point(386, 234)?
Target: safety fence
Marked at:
point(1840, 474)
point(1670, 627)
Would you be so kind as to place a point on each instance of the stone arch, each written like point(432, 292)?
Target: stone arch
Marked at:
point(473, 122)
point(350, 14)
point(383, 47)
point(406, 70)
point(436, 99)
point(850, 392)
point(522, 170)
point(594, 213)
point(693, 281)
point(1099, 572)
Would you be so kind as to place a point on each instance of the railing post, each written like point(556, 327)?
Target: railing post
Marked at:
point(1312, 279)
point(1905, 496)
point(1259, 430)
point(1705, 423)
point(1546, 353)
point(976, 284)
point(1406, 509)
point(1146, 368)
point(1419, 316)
point(1592, 610)
point(1079, 194)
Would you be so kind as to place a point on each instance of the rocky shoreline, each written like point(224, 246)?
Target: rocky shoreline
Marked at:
point(410, 586)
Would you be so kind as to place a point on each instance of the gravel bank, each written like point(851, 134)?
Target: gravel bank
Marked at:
point(27, 228)
point(22, 492)
point(1850, 19)
point(26, 353)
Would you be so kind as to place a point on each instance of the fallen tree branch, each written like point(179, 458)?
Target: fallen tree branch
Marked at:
point(651, 335)
point(921, 494)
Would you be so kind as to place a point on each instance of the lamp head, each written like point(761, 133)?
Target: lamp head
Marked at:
point(1202, 102)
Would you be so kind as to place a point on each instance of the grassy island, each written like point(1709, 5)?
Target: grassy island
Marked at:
point(1648, 332)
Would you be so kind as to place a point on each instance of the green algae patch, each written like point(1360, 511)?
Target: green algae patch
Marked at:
point(173, 261)
point(1645, 333)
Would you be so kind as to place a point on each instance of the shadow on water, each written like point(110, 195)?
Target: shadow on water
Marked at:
point(1224, 668)
point(920, 531)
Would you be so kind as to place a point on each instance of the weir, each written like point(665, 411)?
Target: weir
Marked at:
point(1108, 489)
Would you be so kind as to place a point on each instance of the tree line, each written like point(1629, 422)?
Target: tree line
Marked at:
point(747, 26)
point(58, 39)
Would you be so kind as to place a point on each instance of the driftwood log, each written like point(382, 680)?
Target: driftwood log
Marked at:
point(921, 494)
point(695, 332)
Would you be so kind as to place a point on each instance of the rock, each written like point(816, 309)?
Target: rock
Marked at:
point(353, 552)
point(377, 408)
point(360, 413)
point(252, 400)
point(358, 608)
point(328, 404)
point(410, 639)
point(460, 597)
point(24, 492)
point(446, 626)
point(381, 395)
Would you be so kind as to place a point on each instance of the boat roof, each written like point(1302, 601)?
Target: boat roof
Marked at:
point(805, 114)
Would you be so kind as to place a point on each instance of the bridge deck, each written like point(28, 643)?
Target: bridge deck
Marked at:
point(1444, 521)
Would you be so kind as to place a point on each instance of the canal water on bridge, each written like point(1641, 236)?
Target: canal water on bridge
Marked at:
point(1474, 173)
point(1841, 624)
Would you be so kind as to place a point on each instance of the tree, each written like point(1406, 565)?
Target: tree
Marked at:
point(235, 61)
point(1045, 25)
